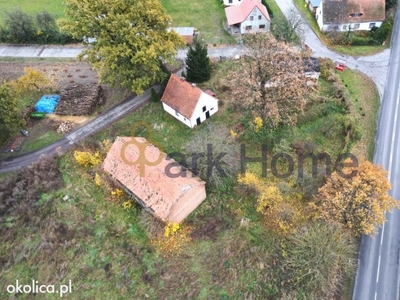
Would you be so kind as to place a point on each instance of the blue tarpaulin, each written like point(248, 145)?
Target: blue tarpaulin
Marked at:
point(47, 104)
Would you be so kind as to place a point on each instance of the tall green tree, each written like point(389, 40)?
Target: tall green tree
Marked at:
point(10, 117)
point(197, 63)
point(131, 40)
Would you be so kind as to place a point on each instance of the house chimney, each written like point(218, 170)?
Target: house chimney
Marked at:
point(193, 85)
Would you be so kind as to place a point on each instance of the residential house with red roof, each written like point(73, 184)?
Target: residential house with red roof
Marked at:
point(248, 17)
point(156, 181)
point(188, 103)
point(345, 15)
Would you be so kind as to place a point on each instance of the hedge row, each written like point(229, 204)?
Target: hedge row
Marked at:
point(21, 28)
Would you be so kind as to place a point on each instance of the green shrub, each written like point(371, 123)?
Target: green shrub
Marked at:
point(20, 28)
point(327, 66)
point(270, 12)
point(154, 97)
point(379, 35)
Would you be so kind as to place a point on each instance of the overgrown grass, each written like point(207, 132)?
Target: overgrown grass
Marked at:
point(365, 97)
point(103, 248)
point(276, 11)
point(32, 7)
point(207, 16)
point(36, 142)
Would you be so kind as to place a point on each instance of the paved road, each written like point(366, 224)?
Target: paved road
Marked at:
point(378, 270)
point(377, 276)
point(40, 51)
point(68, 141)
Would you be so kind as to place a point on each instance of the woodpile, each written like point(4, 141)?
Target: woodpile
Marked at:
point(80, 99)
point(65, 127)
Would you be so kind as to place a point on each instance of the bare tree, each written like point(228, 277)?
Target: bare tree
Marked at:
point(271, 81)
point(289, 29)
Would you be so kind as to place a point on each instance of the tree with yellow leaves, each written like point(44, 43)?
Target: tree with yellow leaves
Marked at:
point(280, 214)
point(87, 159)
point(360, 202)
point(31, 80)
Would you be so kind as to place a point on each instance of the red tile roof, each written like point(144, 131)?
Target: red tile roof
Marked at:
point(181, 96)
point(155, 188)
point(238, 13)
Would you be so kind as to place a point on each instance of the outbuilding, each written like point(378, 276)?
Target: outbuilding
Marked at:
point(160, 184)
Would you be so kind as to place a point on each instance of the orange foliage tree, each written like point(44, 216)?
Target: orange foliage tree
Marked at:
point(271, 81)
point(360, 202)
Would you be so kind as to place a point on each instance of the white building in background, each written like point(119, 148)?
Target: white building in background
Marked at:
point(249, 16)
point(344, 15)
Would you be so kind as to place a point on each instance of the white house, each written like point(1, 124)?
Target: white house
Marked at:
point(248, 17)
point(313, 5)
point(188, 103)
point(344, 15)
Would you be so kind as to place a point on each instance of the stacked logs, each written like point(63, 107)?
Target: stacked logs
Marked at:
point(65, 127)
point(80, 99)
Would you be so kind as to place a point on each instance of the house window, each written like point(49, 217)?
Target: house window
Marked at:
point(355, 15)
point(230, 1)
point(249, 27)
point(356, 26)
point(177, 113)
point(251, 18)
point(262, 26)
point(204, 108)
point(259, 17)
point(344, 27)
point(212, 108)
point(371, 25)
point(184, 119)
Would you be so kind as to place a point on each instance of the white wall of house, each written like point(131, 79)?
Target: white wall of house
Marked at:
point(206, 101)
point(342, 27)
point(318, 15)
point(352, 26)
point(255, 22)
point(205, 104)
point(176, 114)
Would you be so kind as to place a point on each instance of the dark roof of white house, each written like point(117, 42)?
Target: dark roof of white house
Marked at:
point(353, 11)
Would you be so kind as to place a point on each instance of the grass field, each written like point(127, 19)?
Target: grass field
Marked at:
point(31, 7)
point(207, 16)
